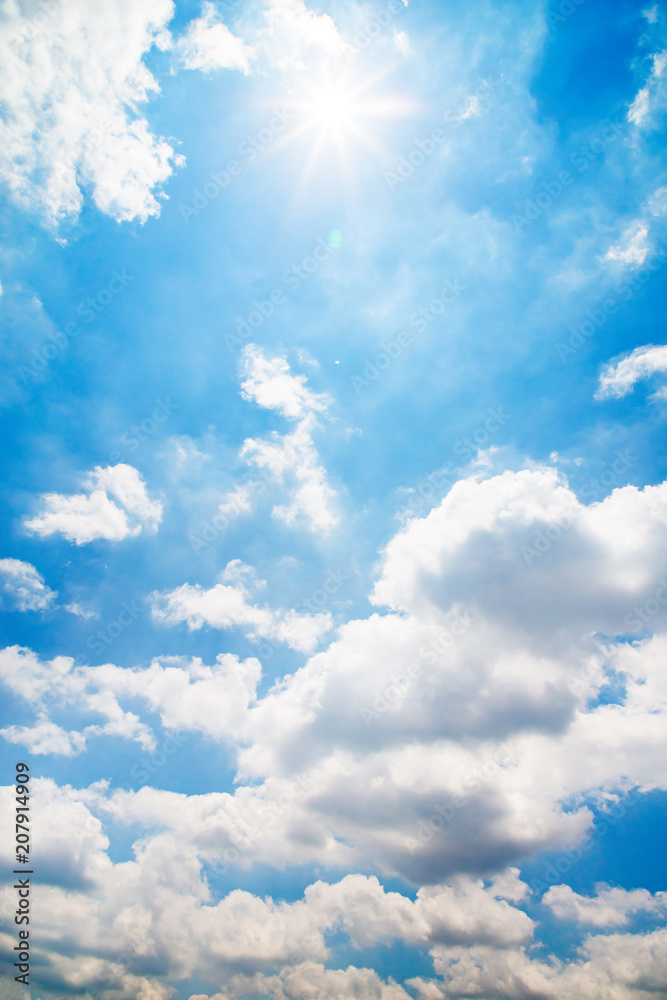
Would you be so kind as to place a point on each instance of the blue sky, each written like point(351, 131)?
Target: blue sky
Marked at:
point(333, 572)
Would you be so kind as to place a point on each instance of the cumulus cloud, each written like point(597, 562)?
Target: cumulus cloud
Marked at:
point(57, 684)
point(186, 694)
point(46, 738)
point(616, 966)
point(73, 81)
point(83, 518)
point(610, 907)
point(420, 741)
point(269, 383)
point(23, 588)
point(132, 909)
point(443, 774)
point(208, 44)
point(227, 605)
point(619, 378)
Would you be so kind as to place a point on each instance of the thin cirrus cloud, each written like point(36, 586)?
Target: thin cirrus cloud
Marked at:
point(23, 588)
point(620, 377)
point(116, 506)
point(633, 249)
point(651, 99)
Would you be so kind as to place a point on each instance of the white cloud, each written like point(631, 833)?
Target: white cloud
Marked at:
point(295, 457)
point(73, 79)
point(650, 99)
point(619, 378)
point(46, 738)
point(227, 605)
point(96, 909)
point(291, 37)
point(24, 587)
point(657, 202)
point(279, 33)
point(83, 518)
point(209, 45)
point(615, 966)
point(187, 695)
point(426, 735)
point(59, 684)
point(77, 609)
point(238, 501)
point(633, 249)
point(610, 907)
point(271, 385)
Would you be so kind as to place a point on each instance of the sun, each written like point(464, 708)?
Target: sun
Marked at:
point(332, 108)
point(343, 116)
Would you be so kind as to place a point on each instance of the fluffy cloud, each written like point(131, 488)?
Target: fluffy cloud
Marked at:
point(292, 37)
point(73, 79)
point(279, 33)
point(186, 694)
point(619, 378)
point(270, 384)
point(227, 605)
point(46, 738)
point(131, 909)
point(83, 518)
point(209, 45)
point(23, 587)
point(423, 739)
point(311, 980)
point(610, 907)
point(616, 966)
point(445, 774)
